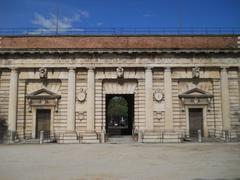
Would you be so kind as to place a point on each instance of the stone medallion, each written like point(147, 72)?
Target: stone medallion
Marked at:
point(81, 95)
point(158, 95)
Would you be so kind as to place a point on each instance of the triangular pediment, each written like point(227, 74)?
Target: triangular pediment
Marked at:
point(195, 92)
point(43, 93)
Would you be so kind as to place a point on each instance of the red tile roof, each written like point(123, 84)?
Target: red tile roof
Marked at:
point(119, 42)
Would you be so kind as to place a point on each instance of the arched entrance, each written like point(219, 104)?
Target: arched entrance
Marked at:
point(119, 114)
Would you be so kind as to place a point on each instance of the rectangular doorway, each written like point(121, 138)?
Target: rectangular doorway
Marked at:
point(43, 118)
point(195, 121)
point(119, 114)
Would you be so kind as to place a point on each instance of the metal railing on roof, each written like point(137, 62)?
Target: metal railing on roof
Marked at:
point(121, 31)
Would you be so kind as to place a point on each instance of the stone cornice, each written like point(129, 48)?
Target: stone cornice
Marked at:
point(113, 51)
point(156, 65)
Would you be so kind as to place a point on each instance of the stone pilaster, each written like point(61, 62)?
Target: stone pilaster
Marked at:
point(239, 85)
point(90, 135)
point(149, 98)
point(225, 99)
point(13, 95)
point(168, 98)
point(71, 99)
point(91, 100)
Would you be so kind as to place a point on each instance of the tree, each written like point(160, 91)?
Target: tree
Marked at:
point(117, 108)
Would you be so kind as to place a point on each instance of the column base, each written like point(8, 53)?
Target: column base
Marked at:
point(171, 136)
point(162, 136)
point(68, 137)
point(90, 137)
point(149, 136)
point(11, 137)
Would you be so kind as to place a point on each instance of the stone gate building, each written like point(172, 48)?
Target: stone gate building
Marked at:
point(173, 86)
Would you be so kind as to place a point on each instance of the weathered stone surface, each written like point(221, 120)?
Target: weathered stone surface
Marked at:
point(83, 81)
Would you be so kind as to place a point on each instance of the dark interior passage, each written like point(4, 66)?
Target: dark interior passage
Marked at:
point(119, 114)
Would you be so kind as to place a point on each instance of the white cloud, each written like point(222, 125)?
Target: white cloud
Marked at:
point(64, 23)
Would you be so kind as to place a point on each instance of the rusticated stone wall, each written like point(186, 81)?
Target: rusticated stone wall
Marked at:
point(181, 75)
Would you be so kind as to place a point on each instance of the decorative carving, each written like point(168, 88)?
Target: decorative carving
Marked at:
point(81, 95)
point(43, 73)
point(196, 96)
point(120, 72)
point(209, 104)
point(81, 115)
point(196, 72)
point(43, 97)
point(183, 103)
point(43, 101)
point(114, 87)
point(158, 95)
point(195, 75)
point(196, 100)
point(158, 115)
point(56, 107)
point(29, 105)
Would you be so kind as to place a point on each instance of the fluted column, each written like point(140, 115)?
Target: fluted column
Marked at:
point(168, 98)
point(71, 99)
point(12, 106)
point(149, 98)
point(91, 100)
point(225, 99)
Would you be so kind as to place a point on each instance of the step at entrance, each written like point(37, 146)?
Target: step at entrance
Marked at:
point(68, 138)
point(121, 140)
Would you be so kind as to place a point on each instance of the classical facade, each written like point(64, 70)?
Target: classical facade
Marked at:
point(173, 86)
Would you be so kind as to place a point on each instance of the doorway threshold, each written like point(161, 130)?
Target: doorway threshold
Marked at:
point(121, 140)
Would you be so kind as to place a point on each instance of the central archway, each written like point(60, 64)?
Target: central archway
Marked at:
point(119, 114)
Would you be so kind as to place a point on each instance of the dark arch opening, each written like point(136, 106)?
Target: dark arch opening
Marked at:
point(119, 114)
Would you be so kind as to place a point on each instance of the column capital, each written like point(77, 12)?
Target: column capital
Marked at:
point(90, 68)
point(224, 68)
point(14, 69)
point(71, 68)
point(148, 68)
point(167, 69)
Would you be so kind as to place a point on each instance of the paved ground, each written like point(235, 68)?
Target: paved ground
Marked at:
point(120, 161)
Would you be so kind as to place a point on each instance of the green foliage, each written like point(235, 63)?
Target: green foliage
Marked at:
point(117, 107)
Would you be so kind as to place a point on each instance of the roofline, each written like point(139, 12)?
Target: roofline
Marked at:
point(118, 31)
point(125, 35)
point(116, 50)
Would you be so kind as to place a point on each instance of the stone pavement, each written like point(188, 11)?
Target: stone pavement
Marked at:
point(120, 161)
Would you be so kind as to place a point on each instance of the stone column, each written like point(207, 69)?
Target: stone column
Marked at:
point(13, 95)
point(71, 99)
point(149, 98)
point(91, 100)
point(225, 99)
point(168, 98)
point(239, 86)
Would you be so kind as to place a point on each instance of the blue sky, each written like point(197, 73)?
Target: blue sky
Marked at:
point(119, 13)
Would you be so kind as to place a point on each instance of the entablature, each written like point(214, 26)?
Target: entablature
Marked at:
point(114, 51)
